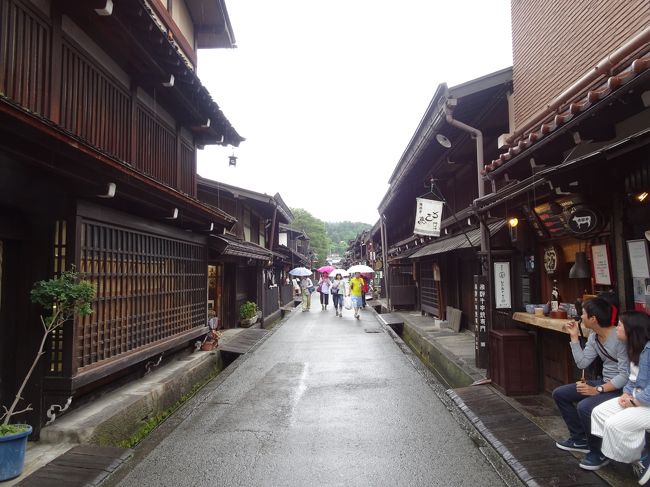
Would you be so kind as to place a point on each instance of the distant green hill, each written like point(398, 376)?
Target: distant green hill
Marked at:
point(340, 232)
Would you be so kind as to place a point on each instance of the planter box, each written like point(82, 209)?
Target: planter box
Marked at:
point(250, 321)
point(12, 454)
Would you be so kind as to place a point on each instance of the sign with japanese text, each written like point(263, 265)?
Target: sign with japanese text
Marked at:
point(481, 303)
point(428, 217)
point(502, 298)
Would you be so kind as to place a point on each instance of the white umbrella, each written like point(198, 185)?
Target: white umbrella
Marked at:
point(363, 269)
point(343, 273)
point(300, 272)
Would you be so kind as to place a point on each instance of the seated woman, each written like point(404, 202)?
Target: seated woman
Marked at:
point(622, 422)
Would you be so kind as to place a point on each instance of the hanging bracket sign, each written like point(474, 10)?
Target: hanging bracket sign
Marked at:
point(428, 217)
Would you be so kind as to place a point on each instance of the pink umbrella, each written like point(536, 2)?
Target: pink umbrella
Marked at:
point(326, 269)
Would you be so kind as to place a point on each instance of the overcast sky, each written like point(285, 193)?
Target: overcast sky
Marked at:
point(329, 93)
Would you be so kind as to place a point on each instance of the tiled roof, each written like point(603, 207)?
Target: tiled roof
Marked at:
point(612, 84)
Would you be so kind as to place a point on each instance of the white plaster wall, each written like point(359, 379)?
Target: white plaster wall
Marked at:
point(183, 19)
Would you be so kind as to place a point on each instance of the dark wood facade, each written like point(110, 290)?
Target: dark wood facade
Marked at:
point(98, 170)
point(253, 261)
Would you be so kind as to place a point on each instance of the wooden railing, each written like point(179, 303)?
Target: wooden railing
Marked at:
point(92, 105)
point(85, 99)
point(25, 56)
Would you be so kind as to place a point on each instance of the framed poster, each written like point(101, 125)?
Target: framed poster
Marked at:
point(638, 252)
point(601, 264)
point(502, 297)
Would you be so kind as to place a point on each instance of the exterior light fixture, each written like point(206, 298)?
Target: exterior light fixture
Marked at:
point(580, 270)
point(443, 141)
point(232, 160)
point(641, 197)
point(513, 222)
point(107, 10)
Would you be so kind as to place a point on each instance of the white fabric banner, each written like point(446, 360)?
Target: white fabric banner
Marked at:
point(428, 217)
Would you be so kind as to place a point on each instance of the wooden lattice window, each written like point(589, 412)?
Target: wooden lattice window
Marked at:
point(25, 53)
point(149, 288)
point(94, 106)
point(58, 265)
point(187, 169)
point(156, 147)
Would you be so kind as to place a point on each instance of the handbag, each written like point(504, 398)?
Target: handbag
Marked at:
point(318, 288)
point(310, 289)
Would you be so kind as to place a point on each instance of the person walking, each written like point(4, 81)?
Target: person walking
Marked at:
point(576, 401)
point(356, 291)
point(324, 290)
point(307, 287)
point(337, 290)
point(622, 422)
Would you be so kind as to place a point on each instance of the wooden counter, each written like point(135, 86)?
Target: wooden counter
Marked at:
point(556, 359)
point(544, 322)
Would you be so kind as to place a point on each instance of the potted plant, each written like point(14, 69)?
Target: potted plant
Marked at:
point(248, 314)
point(61, 297)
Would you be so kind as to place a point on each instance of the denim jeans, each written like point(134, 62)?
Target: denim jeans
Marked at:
point(576, 411)
point(338, 301)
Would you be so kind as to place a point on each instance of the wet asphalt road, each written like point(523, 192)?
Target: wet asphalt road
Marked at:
point(320, 402)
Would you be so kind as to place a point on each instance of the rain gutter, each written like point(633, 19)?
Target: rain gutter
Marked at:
point(604, 66)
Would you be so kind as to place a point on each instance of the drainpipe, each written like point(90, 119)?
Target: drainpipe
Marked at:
point(602, 67)
point(476, 133)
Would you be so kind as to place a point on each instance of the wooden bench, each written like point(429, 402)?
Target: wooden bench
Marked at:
point(395, 321)
point(80, 466)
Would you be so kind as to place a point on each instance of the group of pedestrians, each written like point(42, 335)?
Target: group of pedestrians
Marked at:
point(608, 416)
point(339, 288)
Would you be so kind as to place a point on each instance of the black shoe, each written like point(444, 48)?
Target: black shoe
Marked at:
point(594, 461)
point(573, 445)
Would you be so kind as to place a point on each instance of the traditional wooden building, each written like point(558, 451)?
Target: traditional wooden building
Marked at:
point(460, 127)
point(101, 113)
point(242, 263)
point(573, 170)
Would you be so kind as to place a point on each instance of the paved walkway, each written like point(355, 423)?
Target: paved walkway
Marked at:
point(322, 401)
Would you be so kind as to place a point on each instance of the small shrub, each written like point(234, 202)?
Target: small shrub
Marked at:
point(247, 310)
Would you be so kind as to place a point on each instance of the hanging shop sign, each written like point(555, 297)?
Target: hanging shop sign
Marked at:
point(583, 220)
point(428, 217)
point(551, 259)
point(502, 296)
point(481, 302)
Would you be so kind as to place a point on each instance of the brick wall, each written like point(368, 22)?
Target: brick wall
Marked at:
point(554, 42)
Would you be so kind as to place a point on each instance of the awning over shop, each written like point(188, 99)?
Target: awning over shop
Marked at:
point(457, 241)
point(231, 245)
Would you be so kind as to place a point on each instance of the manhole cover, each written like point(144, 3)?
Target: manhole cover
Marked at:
point(372, 330)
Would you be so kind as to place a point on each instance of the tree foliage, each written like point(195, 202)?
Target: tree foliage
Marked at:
point(317, 232)
point(341, 232)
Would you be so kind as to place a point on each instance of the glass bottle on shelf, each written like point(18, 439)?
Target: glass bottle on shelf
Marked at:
point(555, 297)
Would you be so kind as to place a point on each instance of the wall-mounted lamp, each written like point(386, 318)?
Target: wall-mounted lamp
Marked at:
point(232, 160)
point(170, 82)
point(580, 270)
point(174, 215)
point(513, 222)
point(641, 197)
point(443, 141)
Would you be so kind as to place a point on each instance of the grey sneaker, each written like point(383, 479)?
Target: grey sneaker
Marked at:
point(573, 445)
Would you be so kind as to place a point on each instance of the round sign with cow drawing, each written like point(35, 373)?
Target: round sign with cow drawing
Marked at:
point(583, 220)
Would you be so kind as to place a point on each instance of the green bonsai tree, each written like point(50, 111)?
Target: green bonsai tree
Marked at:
point(247, 310)
point(61, 297)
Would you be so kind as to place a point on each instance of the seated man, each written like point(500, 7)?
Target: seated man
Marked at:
point(576, 401)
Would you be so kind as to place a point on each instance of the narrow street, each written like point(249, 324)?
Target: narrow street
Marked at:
point(323, 401)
